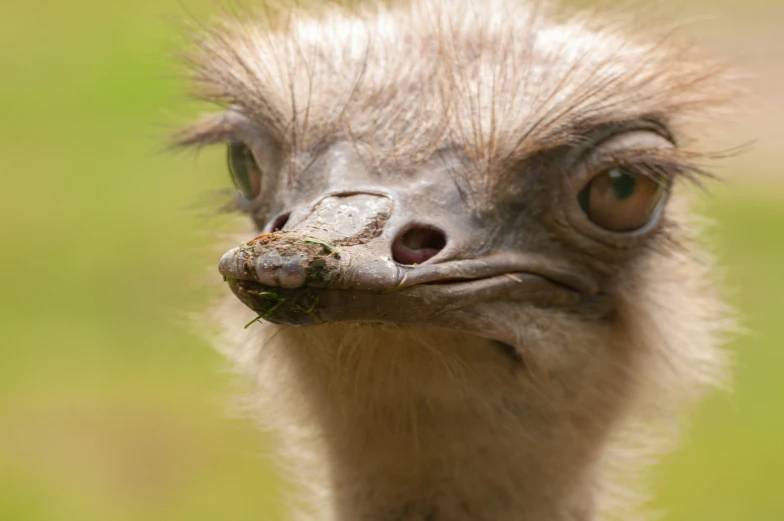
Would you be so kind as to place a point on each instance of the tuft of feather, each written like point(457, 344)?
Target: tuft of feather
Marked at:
point(497, 79)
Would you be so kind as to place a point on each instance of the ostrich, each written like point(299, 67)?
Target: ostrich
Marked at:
point(473, 289)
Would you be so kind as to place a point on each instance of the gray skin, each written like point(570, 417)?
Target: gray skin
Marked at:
point(527, 244)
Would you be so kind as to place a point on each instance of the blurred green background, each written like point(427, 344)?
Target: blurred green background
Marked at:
point(111, 408)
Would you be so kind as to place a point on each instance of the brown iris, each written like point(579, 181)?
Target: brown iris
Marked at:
point(621, 200)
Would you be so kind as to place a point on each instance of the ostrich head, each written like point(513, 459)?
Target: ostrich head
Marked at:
point(474, 210)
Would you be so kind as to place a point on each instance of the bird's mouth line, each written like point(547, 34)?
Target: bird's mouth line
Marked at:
point(516, 285)
point(429, 301)
point(565, 280)
point(405, 284)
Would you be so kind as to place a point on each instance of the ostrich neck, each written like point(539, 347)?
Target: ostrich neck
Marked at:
point(429, 465)
point(442, 428)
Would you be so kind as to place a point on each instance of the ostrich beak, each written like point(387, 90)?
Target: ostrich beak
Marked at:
point(337, 264)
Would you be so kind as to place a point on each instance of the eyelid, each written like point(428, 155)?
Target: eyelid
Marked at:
point(644, 162)
point(642, 131)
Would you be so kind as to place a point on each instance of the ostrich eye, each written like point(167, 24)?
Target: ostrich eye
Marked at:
point(621, 200)
point(245, 172)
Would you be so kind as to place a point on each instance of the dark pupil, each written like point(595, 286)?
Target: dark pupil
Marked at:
point(623, 183)
point(240, 161)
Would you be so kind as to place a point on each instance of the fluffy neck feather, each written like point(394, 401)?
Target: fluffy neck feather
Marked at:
point(385, 423)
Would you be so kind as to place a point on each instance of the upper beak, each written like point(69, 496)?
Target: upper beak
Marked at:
point(336, 264)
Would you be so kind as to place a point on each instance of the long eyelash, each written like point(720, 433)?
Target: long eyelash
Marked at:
point(210, 131)
point(669, 164)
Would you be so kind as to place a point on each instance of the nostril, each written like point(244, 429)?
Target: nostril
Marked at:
point(418, 244)
point(279, 222)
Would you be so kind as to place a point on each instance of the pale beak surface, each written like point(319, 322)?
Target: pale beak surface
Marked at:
point(338, 263)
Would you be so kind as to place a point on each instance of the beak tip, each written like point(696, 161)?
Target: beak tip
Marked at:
point(234, 265)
